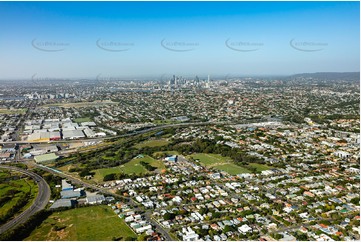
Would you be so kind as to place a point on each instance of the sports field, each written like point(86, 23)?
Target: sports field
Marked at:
point(210, 160)
point(132, 167)
point(219, 162)
point(87, 224)
point(232, 169)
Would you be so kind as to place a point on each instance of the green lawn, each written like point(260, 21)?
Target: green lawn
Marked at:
point(132, 167)
point(14, 190)
point(152, 143)
point(210, 160)
point(87, 224)
point(219, 162)
point(231, 169)
point(101, 173)
point(81, 120)
point(135, 167)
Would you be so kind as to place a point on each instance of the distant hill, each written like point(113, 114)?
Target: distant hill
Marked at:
point(354, 76)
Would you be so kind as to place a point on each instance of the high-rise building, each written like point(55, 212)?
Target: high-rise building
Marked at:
point(196, 79)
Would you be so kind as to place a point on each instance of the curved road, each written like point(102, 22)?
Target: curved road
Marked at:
point(105, 191)
point(40, 202)
point(44, 190)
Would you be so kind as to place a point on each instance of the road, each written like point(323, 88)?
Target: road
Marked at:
point(76, 180)
point(39, 203)
point(133, 133)
point(105, 191)
point(160, 229)
point(44, 190)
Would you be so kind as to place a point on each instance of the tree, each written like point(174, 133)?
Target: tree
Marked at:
point(203, 210)
point(109, 177)
point(84, 172)
point(216, 215)
point(301, 237)
point(356, 201)
point(278, 236)
point(169, 216)
point(228, 228)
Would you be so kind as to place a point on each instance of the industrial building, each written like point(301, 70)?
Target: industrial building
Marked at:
point(55, 129)
point(89, 133)
point(70, 194)
point(42, 149)
point(94, 199)
point(62, 203)
point(46, 158)
point(44, 135)
point(65, 186)
point(73, 134)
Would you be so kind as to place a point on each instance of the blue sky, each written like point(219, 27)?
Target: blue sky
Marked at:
point(138, 39)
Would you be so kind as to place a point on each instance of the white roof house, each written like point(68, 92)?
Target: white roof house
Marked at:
point(244, 229)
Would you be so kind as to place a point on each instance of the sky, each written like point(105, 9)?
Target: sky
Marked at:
point(153, 39)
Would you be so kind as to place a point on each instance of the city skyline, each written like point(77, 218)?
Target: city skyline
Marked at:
point(140, 39)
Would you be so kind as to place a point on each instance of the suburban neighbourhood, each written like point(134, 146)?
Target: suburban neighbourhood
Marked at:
point(187, 159)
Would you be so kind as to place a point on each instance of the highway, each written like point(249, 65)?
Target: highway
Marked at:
point(133, 133)
point(44, 190)
point(39, 203)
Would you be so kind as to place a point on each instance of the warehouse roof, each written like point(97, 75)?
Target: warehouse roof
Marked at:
point(46, 157)
point(70, 194)
point(61, 203)
point(65, 185)
point(73, 134)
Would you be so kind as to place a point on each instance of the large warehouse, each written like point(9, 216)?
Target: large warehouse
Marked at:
point(73, 134)
point(46, 158)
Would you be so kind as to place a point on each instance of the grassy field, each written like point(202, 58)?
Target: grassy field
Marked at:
point(87, 224)
point(13, 111)
point(132, 167)
point(81, 120)
point(80, 104)
point(12, 191)
point(152, 143)
point(210, 160)
point(219, 162)
point(101, 173)
point(232, 169)
point(66, 168)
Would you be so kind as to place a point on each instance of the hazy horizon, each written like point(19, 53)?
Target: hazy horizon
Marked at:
point(155, 39)
point(162, 77)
